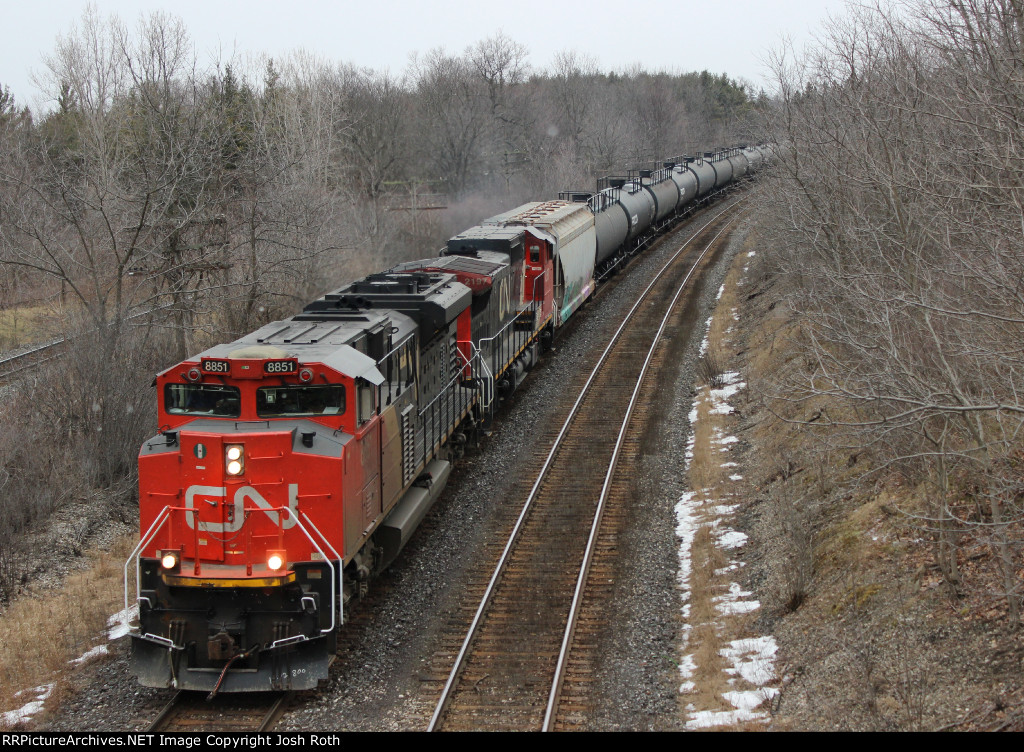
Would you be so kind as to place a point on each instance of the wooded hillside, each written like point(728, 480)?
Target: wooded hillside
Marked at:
point(898, 211)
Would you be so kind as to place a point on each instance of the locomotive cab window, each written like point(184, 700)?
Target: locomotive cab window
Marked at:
point(367, 400)
point(203, 399)
point(292, 401)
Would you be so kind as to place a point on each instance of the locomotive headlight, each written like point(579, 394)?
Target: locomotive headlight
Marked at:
point(275, 560)
point(234, 456)
point(170, 560)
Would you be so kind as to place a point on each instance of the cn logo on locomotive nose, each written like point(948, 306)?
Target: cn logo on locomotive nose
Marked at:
point(234, 523)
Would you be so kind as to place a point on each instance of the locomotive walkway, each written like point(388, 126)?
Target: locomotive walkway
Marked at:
point(526, 660)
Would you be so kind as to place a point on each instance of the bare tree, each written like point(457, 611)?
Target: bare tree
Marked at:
point(574, 82)
point(453, 118)
point(900, 145)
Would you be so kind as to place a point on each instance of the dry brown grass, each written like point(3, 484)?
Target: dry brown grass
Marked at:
point(26, 324)
point(877, 641)
point(41, 632)
point(723, 321)
point(711, 630)
point(706, 639)
point(705, 467)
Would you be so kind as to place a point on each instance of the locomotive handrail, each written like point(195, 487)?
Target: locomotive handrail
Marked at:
point(287, 641)
point(341, 599)
point(394, 349)
point(447, 420)
point(165, 515)
point(537, 279)
point(490, 340)
point(144, 541)
point(478, 355)
point(171, 644)
point(498, 333)
point(334, 579)
point(441, 392)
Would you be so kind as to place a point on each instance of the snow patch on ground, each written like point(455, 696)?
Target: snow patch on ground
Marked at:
point(733, 603)
point(706, 341)
point(88, 655)
point(119, 623)
point(29, 709)
point(731, 539)
point(750, 662)
point(752, 658)
point(686, 528)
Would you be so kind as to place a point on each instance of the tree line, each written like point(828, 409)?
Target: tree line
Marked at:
point(163, 205)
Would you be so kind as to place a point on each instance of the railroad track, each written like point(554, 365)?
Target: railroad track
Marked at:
point(192, 712)
point(526, 660)
point(13, 364)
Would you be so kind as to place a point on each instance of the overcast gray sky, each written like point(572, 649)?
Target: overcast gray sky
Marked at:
point(680, 35)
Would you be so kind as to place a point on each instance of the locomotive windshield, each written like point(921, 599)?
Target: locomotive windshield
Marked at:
point(203, 399)
point(291, 401)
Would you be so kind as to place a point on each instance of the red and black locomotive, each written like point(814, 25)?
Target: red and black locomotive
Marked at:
point(294, 463)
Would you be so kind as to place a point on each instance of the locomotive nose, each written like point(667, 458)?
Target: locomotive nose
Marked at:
point(228, 476)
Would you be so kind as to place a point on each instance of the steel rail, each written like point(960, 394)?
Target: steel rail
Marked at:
point(581, 582)
point(179, 704)
point(8, 363)
point(163, 715)
point(276, 711)
point(500, 566)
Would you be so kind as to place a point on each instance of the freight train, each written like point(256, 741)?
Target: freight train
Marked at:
point(293, 464)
